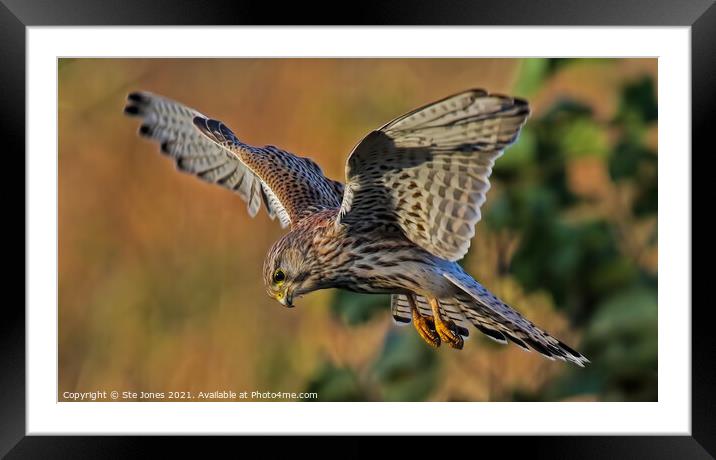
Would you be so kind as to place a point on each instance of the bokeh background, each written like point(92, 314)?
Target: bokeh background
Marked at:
point(160, 283)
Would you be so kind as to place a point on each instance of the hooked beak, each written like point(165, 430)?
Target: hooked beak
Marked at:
point(285, 298)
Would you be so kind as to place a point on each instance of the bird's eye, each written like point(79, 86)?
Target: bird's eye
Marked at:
point(279, 276)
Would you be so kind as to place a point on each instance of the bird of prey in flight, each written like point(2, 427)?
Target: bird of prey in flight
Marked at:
point(399, 224)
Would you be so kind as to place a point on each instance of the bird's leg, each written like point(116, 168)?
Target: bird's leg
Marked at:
point(445, 329)
point(423, 325)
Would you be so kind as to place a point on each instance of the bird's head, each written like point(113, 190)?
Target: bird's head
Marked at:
point(287, 271)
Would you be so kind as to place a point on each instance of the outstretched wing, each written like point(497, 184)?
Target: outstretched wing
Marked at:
point(200, 153)
point(428, 171)
point(170, 124)
point(296, 186)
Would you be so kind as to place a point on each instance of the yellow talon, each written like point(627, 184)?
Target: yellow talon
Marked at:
point(424, 326)
point(445, 329)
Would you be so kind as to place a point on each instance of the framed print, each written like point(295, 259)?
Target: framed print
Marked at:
point(482, 219)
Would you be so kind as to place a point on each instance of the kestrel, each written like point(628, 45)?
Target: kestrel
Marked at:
point(398, 226)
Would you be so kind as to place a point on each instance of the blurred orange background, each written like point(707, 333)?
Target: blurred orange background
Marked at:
point(160, 284)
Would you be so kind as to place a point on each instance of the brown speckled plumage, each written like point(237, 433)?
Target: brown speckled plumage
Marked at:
point(405, 216)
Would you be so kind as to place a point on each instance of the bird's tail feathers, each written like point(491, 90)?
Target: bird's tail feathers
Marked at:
point(502, 323)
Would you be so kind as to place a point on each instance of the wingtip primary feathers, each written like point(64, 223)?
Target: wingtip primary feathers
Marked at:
point(135, 103)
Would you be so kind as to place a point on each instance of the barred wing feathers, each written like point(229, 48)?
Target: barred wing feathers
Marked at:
point(428, 171)
point(295, 186)
point(170, 124)
point(288, 186)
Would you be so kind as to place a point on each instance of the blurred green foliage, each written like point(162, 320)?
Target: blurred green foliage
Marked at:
point(582, 263)
point(405, 370)
point(159, 274)
point(337, 384)
point(356, 309)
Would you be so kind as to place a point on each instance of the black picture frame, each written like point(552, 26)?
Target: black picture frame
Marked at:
point(16, 15)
